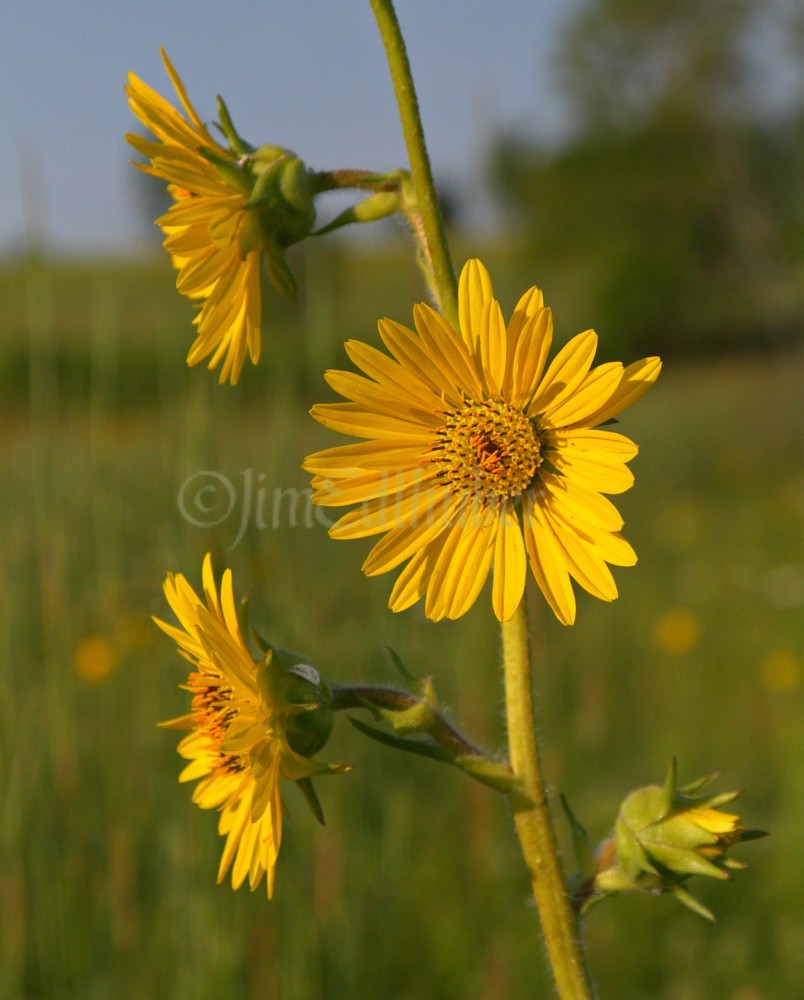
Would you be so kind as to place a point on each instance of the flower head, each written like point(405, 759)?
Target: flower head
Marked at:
point(664, 835)
point(250, 723)
point(478, 455)
point(232, 207)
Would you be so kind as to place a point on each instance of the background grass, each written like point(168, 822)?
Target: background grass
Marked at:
point(415, 889)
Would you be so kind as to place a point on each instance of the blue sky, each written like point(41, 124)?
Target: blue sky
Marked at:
point(307, 74)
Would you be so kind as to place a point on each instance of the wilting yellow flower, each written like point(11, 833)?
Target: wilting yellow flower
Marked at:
point(478, 455)
point(240, 732)
point(210, 234)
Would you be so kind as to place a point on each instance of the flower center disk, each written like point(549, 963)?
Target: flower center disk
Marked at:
point(489, 449)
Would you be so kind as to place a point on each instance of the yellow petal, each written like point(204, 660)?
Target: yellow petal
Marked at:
point(411, 584)
point(587, 398)
point(474, 290)
point(566, 372)
point(394, 401)
point(416, 505)
point(391, 375)
point(447, 351)
point(637, 379)
point(365, 455)
point(493, 344)
point(359, 488)
point(356, 420)
point(403, 542)
point(547, 563)
point(510, 564)
point(576, 503)
point(581, 558)
point(530, 357)
point(463, 566)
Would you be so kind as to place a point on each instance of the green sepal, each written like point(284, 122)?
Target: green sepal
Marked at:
point(683, 862)
point(688, 900)
point(264, 645)
point(229, 169)
point(280, 274)
point(295, 766)
point(584, 858)
point(694, 787)
point(754, 834)
point(236, 143)
point(412, 682)
point(669, 789)
point(307, 790)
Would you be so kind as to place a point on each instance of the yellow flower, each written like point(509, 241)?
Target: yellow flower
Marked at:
point(479, 455)
point(238, 744)
point(209, 232)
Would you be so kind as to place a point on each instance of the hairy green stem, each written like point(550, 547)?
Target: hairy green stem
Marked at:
point(532, 817)
point(531, 813)
point(442, 731)
point(431, 235)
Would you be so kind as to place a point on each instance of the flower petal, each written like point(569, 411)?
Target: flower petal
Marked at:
point(474, 291)
point(547, 562)
point(463, 565)
point(510, 564)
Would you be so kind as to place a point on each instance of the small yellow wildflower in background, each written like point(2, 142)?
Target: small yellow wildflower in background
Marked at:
point(781, 670)
point(209, 232)
point(478, 455)
point(95, 658)
point(238, 745)
point(678, 631)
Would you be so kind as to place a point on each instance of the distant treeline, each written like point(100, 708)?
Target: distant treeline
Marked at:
point(673, 215)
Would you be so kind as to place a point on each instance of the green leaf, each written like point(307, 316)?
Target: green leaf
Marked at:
point(424, 748)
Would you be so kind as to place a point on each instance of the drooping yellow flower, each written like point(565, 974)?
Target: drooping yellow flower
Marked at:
point(238, 744)
point(477, 455)
point(209, 232)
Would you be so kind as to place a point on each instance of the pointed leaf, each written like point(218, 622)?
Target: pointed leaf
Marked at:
point(306, 786)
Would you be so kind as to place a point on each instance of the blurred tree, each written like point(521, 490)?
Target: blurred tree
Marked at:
point(672, 204)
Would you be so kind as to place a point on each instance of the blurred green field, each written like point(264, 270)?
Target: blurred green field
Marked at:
point(415, 889)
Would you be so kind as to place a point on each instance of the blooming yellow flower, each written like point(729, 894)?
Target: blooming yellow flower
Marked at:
point(479, 455)
point(210, 234)
point(238, 741)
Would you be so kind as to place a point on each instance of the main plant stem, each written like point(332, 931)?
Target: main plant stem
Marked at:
point(432, 238)
point(532, 817)
point(531, 813)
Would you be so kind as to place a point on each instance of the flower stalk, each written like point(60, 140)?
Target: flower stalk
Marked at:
point(532, 816)
point(531, 812)
point(431, 234)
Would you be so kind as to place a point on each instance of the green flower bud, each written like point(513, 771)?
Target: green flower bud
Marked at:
point(664, 835)
point(300, 697)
